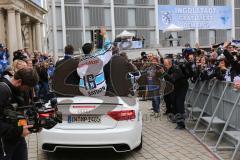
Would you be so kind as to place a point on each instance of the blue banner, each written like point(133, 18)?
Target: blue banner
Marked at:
point(192, 17)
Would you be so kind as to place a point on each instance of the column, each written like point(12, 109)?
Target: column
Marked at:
point(112, 19)
point(83, 22)
point(174, 34)
point(196, 30)
point(12, 33)
point(34, 35)
point(212, 33)
point(38, 37)
point(212, 37)
point(2, 27)
point(42, 36)
point(63, 23)
point(156, 22)
point(54, 30)
point(233, 21)
point(19, 30)
point(29, 42)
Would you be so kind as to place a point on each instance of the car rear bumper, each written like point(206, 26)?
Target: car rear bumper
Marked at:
point(121, 139)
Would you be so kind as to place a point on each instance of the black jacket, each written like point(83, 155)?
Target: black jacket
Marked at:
point(175, 76)
point(235, 65)
point(220, 74)
point(43, 75)
point(191, 71)
point(8, 132)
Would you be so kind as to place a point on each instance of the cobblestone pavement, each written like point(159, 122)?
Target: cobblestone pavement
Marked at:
point(160, 142)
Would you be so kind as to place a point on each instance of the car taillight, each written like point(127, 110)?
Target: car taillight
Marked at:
point(122, 115)
point(46, 115)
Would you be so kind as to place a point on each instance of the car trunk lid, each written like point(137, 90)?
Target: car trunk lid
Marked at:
point(88, 113)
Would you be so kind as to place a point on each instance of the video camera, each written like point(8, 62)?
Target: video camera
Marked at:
point(159, 66)
point(39, 114)
point(18, 55)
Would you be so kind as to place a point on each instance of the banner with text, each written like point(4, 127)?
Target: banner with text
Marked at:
point(192, 17)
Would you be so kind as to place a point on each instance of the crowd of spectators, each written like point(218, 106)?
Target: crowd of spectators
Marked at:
point(221, 62)
point(41, 62)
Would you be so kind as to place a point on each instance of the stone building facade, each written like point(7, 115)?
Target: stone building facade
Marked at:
point(21, 25)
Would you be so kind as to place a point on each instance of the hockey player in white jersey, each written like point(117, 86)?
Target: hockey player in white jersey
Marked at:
point(90, 68)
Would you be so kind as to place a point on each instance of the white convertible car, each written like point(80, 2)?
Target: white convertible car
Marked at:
point(101, 122)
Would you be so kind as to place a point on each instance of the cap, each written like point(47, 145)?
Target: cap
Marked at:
point(188, 51)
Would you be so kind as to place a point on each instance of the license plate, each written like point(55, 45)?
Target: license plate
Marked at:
point(84, 119)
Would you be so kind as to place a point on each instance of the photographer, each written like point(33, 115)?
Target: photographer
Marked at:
point(13, 145)
point(188, 65)
point(222, 71)
point(233, 58)
point(174, 75)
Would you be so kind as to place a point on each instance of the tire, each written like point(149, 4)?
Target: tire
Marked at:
point(139, 147)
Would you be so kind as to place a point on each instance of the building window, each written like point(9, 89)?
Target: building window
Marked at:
point(202, 2)
point(72, 1)
point(163, 38)
point(71, 12)
point(219, 2)
point(182, 2)
point(237, 34)
point(74, 37)
point(237, 17)
point(221, 36)
point(204, 37)
point(163, 2)
point(142, 18)
point(96, 16)
point(185, 37)
point(121, 16)
point(131, 17)
point(141, 2)
point(107, 16)
point(96, 1)
point(237, 4)
point(151, 19)
point(120, 2)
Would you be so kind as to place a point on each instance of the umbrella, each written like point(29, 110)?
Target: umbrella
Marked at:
point(173, 28)
point(126, 34)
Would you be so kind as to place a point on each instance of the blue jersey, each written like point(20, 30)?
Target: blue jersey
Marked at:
point(4, 60)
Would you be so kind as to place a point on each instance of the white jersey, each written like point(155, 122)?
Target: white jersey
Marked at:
point(90, 70)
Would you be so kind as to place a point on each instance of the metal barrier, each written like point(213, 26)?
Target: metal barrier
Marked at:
point(215, 104)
